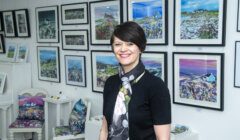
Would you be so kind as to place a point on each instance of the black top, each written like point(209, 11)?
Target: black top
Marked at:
point(149, 105)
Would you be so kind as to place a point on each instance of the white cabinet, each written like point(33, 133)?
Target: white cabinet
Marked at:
point(18, 78)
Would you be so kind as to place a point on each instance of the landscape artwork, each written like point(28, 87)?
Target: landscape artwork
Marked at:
point(22, 23)
point(9, 25)
point(11, 52)
point(105, 16)
point(48, 62)
point(47, 24)
point(75, 39)
point(75, 70)
point(198, 81)
point(199, 20)
point(22, 53)
point(152, 20)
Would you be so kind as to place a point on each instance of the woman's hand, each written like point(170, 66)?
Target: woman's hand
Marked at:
point(162, 131)
point(103, 130)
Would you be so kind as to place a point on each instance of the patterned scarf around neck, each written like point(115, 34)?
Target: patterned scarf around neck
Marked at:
point(119, 126)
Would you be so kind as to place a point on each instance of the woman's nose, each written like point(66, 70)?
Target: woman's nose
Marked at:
point(124, 47)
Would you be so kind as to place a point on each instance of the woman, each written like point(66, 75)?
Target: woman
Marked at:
point(136, 104)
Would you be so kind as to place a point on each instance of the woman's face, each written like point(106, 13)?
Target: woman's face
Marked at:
point(127, 53)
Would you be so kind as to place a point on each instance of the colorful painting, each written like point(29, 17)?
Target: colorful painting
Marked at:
point(198, 79)
point(48, 64)
point(153, 20)
point(11, 52)
point(47, 24)
point(75, 70)
point(199, 20)
point(105, 15)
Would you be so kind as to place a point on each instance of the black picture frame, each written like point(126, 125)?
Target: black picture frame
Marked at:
point(198, 80)
point(46, 71)
point(9, 24)
point(75, 40)
point(22, 23)
point(107, 14)
point(154, 21)
point(200, 23)
point(237, 65)
point(79, 13)
point(75, 70)
point(2, 44)
point(1, 22)
point(47, 24)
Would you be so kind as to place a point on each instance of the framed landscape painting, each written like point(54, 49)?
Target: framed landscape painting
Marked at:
point(198, 79)
point(48, 64)
point(47, 24)
point(9, 23)
point(156, 63)
point(199, 22)
point(22, 23)
point(154, 19)
point(22, 53)
point(2, 82)
point(104, 64)
point(75, 13)
point(2, 44)
point(11, 52)
point(75, 68)
point(237, 65)
point(105, 15)
point(75, 40)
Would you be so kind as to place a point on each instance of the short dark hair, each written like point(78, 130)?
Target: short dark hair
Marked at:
point(130, 32)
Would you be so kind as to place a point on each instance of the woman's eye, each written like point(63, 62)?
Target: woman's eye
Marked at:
point(117, 44)
point(130, 44)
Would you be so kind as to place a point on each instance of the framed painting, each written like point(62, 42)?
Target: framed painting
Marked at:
point(75, 13)
point(198, 79)
point(1, 22)
point(199, 22)
point(11, 52)
point(105, 15)
point(104, 64)
point(48, 64)
point(22, 53)
point(22, 23)
point(75, 40)
point(2, 82)
point(47, 24)
point(237, 65)
point(154, 20)
point(9, 23)
point(156, 63)
point(75, 69)
point(2, 44)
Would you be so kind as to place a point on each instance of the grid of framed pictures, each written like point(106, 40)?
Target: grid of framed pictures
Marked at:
point(237, 65)
point(105, 15)
point(75, 69)
point(2, 44)
point(154, 21)
point(198, 79)
point(9, 23)
point(22, 23)
point(48, 63)
point(199, 23)
point(75, 40)
point(75, 13)
point(47, 24)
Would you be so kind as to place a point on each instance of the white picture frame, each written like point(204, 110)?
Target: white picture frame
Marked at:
point(22, 53)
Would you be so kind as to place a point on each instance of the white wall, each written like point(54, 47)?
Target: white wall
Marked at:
point(211, 125)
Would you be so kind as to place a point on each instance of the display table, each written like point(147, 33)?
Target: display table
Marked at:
point(5, 106)
point(58, 103)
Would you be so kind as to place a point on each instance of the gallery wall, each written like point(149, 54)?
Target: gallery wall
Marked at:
point(210, 124)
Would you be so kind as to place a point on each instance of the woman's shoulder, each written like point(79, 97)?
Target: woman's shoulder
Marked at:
point(151, 79)
point(112, 79)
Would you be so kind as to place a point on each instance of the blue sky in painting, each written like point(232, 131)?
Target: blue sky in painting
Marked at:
point(146, 9)
point(101, 11)
point(47, 54)
point(107, 60)
point(74, 63)
point(192, 5)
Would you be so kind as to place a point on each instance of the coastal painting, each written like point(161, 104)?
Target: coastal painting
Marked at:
point(198, 79)
point(153, 20)
point(199, 20)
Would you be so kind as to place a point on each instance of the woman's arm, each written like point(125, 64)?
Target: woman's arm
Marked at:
point(104, 130)
point(162, 131)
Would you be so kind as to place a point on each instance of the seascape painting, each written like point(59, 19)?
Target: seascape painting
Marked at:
point(48, 62)
point(199, 19)
point(75, 70)
point(198, 79)
point(152, 20)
